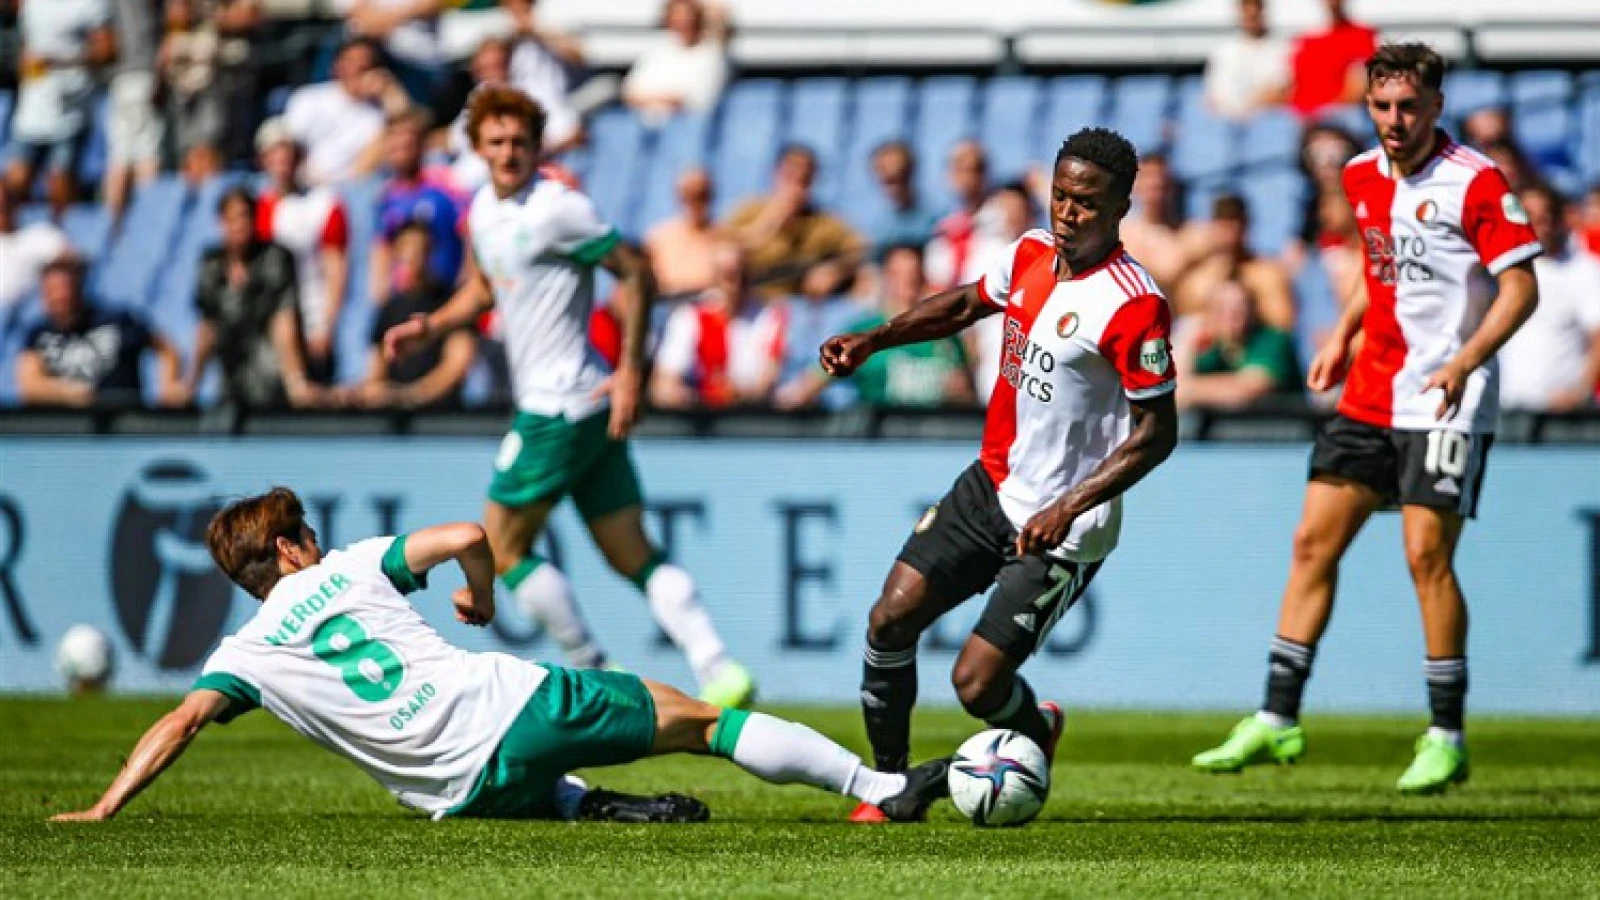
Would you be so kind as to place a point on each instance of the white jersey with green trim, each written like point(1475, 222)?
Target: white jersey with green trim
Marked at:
point(341, 656)
point(538, 249)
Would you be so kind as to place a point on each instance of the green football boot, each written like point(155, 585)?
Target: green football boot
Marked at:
point(1440, 763)
point(1253, 741)
point(732, 688)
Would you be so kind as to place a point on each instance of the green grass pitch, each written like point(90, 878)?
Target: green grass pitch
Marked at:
point(255, 810)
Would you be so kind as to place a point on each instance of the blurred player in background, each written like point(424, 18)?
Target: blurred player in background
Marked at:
point(1083, 409)
point(341, 656)
point(1418, 412)
point(536, 243)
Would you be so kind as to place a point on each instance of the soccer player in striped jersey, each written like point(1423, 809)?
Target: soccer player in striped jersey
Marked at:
point(536, 243)
point(1081, 411)
point(1418, 412)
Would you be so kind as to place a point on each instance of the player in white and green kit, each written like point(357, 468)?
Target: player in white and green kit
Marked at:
point(340, 655)
point(536, 243)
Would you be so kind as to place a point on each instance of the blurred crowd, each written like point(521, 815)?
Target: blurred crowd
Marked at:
point(746, 299)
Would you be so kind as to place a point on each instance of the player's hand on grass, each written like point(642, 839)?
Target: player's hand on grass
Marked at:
point(92, 814)
point(625, 385)
point(843, 354)
point(1046, 530)
point(1452, 380)
point(470, 610)
point(1327, 367)
point(406, 338)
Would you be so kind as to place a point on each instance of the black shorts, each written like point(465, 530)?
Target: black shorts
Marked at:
point(965, 544)
point(1442, 469)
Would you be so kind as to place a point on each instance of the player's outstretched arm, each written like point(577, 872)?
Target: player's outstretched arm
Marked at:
point(1516, 301)
point(633, 303)
point(1154, 437)
point(466, 543)
point(471, 300)
point(159, 748)
point(940, 316)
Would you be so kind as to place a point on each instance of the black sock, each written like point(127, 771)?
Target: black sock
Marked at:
point(888, 691)
point(1288, 667)
point(1021, 713)
point(1447, 691)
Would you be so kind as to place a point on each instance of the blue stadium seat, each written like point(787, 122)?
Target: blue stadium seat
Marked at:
point(679, 144)
point(1139, 105)
point(1588, 134)
point(1009, 124)
point(1204, 144)
point(15, 324)
point(882, 106)
point(1466, 92)
point(128, 268)
point(171, 309)
point(817, 119)
point(1271, 138)
point(615, 138)
point(1541, 105)
point(1353, 118)
point(747, 141)
point(353, 338)
point(87, 226)
point(8, 101)
point(1071, 102)
point(1199, 194)
point(1317, 307)
point(92, 162)
point(944, 117)
point(1276, 198)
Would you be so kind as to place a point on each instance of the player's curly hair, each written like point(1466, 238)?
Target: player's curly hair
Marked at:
point(493, 101)
point(1108, 150)
point(1417, 62)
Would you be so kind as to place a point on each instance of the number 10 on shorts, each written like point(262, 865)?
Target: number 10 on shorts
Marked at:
point(1447, 453)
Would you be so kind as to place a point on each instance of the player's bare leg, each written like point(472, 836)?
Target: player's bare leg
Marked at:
point(675, 603)
point(1334, 512)
point(542, 591)
point(783, 752)
point(987, 683)
point(1431, 536)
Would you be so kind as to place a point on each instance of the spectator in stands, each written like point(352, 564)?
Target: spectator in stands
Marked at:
point(682, 249)
point(135, 131)
point(1249, 71)
point(311, 224)
point(687, 66)
point(1486, 126)
point(490, 64)
point(932, 374)
point(409, 198)
point(905, 219)
point(785, 234)
point(208, 80)
point(83, 354)
point(1329, 67)
point(248, 297)
point(1328, 229)
point(409, 31)
point(1001, 219)
point(1552, 363)
point(64, 42)
point(542, 64)
point(1513, 164)
point(816, 314)
point(1153, 232)
point(340, 122)
point(1240, 361)
point(1228, 258)
point(952, 252)
point(1324, 150)
point(1588, 219)
point(24, 252)
point(432, 377)
point(724, 349)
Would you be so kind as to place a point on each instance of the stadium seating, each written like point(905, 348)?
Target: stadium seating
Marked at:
point(1007, 125)
point(747, 141)
point(881, 109)
point(817, 119)
point(944, 117)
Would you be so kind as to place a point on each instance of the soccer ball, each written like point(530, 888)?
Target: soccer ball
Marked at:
point(999, 777)
point(84, 658)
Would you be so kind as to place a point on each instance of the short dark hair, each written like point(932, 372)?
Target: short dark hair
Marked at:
point(901, 247)
point(1104, 148)
point(1557, 201)
point(70, 264)
point(1416, 62)
point(243, 537)
point(375, 48)
point(795, 148)
point(237, 194)
point(1230, 208)
point(896, 145)
point(413, 227)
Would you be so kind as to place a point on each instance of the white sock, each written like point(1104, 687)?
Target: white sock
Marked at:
point(784, 752)
point(1449, 734)
point(1273, 719)
point(675, 604)
point(546, 595)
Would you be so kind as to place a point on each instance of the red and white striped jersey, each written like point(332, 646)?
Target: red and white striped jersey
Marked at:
point(306, 224)
point(1075, 352)
point(1425, 237)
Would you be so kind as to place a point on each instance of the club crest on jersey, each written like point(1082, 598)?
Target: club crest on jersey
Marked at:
point(1153, 356)
point(926, 522)
point(1067, 325)
point(1512, 207)
point(1427, 211)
